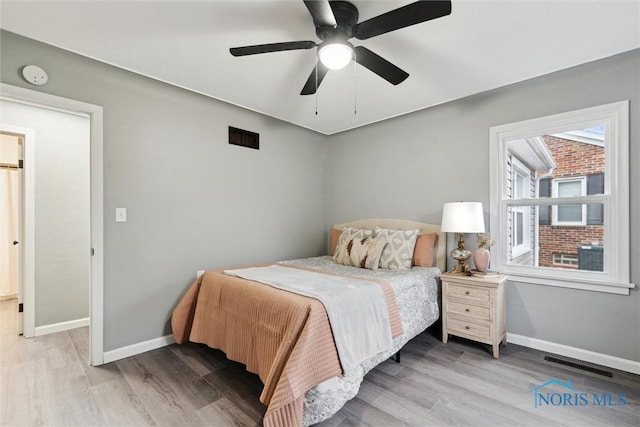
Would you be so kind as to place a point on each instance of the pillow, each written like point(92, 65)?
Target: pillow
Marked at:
point(341, 255)
point(423, 252)
point(398, 251)
point(335, 235)
point(365, 253)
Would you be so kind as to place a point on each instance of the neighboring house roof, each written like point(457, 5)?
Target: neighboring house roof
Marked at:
point(593, 136)
point(533, 152)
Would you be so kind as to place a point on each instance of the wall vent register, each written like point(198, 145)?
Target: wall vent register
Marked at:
point(244, 138)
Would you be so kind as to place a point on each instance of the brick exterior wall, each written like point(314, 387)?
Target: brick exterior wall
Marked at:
point(573, 159)
point(565, 240)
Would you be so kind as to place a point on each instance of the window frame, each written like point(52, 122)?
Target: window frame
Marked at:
point(616, 275)
point(554, 208)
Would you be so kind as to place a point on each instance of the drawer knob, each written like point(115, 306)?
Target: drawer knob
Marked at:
point(466, 293)
point(466, 309)
point(466, 327)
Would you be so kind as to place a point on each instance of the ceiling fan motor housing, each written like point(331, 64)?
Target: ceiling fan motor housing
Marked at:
point(346, 15)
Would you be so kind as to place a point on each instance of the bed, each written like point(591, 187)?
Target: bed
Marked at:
point(287, 339)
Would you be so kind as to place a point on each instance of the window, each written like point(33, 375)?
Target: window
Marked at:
point(556, 215)
point(565, 259)
point(569, 214)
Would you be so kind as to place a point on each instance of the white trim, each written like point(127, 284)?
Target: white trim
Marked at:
point(97, 238)
point(576, 353)
point(596, 286)
point(141, 347)
point(95, 112)
point(62, 326)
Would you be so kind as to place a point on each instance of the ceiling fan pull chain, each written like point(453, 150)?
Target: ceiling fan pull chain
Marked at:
point(316, 70)
point(355, 85)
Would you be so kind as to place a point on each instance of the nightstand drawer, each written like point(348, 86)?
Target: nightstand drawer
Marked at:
point(483, 313)
point(470, 293)
point(463, 328)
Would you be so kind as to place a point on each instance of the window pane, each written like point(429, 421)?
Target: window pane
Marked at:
point(519, 228)
point(570, 213)
point(569, 188)
point(520, 188)
point(576, 247)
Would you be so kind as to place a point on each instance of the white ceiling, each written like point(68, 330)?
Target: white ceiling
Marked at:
point(482, 45)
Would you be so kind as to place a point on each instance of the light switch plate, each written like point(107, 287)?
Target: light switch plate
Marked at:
point(121, 214)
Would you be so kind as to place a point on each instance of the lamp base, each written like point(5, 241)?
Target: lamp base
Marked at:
point(461, 255)
point(461, 268)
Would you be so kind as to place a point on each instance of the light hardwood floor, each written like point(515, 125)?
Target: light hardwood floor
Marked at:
point(47, 381)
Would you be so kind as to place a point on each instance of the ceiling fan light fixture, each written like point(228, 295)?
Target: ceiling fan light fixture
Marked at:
point(336, 55)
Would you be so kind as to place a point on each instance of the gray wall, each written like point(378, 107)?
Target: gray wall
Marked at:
point(62, 209)
point(194, 202)
point(409, 166)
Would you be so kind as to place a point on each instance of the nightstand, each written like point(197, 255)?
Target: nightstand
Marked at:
point(474, 308)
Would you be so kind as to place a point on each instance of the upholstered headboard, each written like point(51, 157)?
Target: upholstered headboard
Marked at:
point(440, 252)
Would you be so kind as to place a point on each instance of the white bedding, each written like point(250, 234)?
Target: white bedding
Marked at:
point(417, 294)
point(357, 309)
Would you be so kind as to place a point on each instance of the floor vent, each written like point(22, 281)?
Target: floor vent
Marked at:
point(579, 366)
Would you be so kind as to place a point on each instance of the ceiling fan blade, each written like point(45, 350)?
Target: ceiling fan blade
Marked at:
point(271, 47)
point(321, 12)
point(402, 17)
point(310, 86)
point(380, 66)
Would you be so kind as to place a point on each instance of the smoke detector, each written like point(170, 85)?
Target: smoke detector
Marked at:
point(35, 75)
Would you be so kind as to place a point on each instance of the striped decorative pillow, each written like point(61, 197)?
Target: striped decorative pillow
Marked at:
point(423, 252)
point(335, 236)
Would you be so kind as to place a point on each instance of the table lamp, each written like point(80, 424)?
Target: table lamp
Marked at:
point(462, 217)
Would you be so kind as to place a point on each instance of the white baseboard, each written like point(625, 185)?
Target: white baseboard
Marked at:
point(576, 353)
point(62, 326)
point(141, 347)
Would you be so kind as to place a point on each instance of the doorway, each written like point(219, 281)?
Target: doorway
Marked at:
point(31, 107)
point(10, 215)
point(16, 224)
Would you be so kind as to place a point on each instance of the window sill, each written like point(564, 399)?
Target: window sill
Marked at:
point(606, 287)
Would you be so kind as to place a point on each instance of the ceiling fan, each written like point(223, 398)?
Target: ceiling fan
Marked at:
point(336, 22)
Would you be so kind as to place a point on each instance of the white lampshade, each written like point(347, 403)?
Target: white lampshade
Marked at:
point(462, 217)
point(335, 55)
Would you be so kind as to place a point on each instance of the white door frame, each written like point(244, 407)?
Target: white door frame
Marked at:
point(44, 100)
